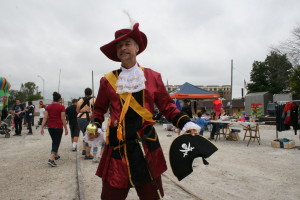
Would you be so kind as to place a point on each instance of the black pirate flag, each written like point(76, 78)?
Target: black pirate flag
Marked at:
point(185, 149)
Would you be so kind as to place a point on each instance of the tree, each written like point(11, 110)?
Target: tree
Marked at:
point(28, 92)
point(29, 89)
point(259, 77)
point(272, 75)
point(12, 97)
point(280, 69)
point(291, 46)
point(295, 80)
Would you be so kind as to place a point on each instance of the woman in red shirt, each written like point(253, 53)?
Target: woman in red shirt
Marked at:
point(55, 117)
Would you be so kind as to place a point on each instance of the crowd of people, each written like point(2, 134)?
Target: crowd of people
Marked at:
point(22, 115)
point(55, 118)
point(78, 115)
point(201, 118)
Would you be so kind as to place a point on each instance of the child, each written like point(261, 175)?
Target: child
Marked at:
point(200, 121)
point(41, 111)
point(97, 141)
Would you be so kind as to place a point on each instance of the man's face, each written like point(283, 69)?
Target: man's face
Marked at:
point(17, 102)
point(127, 49)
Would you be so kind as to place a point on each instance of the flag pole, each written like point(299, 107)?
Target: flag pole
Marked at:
point(231, 87)
point(59, 80)
point(93, 97)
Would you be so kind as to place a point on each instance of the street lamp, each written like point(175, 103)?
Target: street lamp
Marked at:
point(43, 86)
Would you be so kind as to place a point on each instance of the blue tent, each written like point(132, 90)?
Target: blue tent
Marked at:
point(189, 91)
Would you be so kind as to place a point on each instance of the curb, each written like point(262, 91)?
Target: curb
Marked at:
point(181, 187)
point(81, 194)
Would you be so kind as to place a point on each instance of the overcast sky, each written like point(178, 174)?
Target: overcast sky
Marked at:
point(188, 41)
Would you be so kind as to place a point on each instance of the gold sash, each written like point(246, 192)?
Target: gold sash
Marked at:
point(129, 101)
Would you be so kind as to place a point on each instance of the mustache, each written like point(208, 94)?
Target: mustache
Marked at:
point(124, 51)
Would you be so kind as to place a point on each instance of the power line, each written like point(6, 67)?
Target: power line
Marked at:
point(240, 72)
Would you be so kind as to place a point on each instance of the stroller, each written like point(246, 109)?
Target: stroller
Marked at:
point(5, 125)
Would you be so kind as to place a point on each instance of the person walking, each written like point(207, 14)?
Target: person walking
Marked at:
point(29, 115)
point(73, 125)
point(18, 111)
point(55, 117)
point(84, 110)
point(130, 94)
point(41, 111)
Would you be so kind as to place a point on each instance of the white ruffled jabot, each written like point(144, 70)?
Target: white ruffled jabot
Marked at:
point(131, 80)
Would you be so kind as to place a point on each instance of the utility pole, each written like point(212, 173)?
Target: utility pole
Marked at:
point(231, 87)
point(59, 80)
point(43, 86)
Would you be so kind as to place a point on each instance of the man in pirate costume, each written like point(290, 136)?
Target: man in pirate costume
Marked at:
point(130, 94)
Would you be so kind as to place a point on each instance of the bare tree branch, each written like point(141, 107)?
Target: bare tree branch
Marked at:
point(291, 47)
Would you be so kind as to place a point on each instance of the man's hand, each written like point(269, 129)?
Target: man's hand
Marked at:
point(66, 132)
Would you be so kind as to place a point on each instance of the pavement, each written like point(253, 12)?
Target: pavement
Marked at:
point(25, 173)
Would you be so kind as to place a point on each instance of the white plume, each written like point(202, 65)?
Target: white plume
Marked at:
point(131, 20)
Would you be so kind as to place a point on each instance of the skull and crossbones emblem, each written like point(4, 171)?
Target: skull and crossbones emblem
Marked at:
point(186, 149)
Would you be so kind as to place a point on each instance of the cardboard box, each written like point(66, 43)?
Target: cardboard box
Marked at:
point(279, 143)
point(233, 135)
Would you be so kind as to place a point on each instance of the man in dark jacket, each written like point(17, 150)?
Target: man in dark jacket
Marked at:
point(72, 119)
point(187, 108)
point(18, 110)
point(29, 116)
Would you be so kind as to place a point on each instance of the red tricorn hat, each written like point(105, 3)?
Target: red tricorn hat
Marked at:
point(139, 37)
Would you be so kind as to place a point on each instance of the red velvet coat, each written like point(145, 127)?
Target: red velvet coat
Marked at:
point(123, 166)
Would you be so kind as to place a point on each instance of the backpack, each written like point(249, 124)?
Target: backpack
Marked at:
point(86, 101)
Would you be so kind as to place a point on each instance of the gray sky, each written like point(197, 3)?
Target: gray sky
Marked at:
point(188, 41)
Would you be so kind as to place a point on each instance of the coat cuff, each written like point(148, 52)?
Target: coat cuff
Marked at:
point(180, 120)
